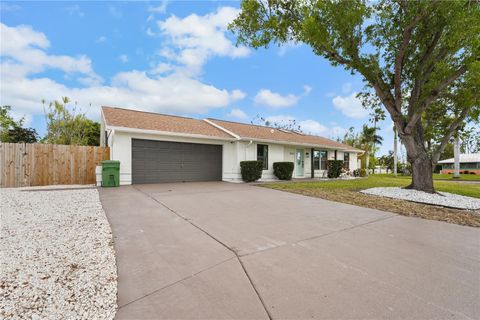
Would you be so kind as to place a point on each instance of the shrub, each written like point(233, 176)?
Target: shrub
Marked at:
point(251, 170)
point(472, 172)
point(363, 173)
point(334, 168)
point(283, 170)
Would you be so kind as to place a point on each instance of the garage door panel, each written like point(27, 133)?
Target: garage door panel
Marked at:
point(165, 161)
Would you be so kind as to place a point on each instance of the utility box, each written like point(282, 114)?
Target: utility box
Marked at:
point(110, 173)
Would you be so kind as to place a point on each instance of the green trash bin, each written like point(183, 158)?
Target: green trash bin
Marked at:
point(110, 173)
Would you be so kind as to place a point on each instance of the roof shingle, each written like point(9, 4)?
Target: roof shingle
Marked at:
point(250, 131)
point(119, 117)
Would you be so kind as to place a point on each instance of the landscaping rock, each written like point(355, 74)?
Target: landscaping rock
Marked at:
point(57, 257)
point(441, 199)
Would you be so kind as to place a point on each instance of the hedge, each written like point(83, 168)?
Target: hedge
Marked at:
point(334, 168)
point(251, 170)
point(283, 170)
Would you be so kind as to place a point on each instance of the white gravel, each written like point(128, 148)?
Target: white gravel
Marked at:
point(57, 257)
point(445, 199)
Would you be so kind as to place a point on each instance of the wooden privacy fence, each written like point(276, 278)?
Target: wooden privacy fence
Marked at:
point(35, 164)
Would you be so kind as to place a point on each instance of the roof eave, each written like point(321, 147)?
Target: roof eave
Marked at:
point(290, 143)
point(167, 133)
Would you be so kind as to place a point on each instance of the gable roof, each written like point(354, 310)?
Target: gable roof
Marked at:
point(221, 129)
point(126, 118)
point(256, 132)
point(472, 157)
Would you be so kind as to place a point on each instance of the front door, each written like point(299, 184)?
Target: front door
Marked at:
point(299, 163)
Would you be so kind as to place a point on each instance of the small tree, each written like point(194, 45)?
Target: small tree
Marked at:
point(368, 139)
point(288, 124)
point(13, 131)
point(69, 126)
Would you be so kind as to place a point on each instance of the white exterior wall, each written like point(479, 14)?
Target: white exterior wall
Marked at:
point(121, 149)
point(233, 153)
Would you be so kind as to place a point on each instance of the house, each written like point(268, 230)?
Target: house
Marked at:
point(154, 147)
point(469, 163)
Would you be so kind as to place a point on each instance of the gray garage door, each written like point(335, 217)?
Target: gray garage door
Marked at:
point(164, 161)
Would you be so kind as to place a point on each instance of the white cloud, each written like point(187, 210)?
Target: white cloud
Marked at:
point(308, 126)
point(272, 99)
point(123, 58)
point(26, 50)
point(162, 8)
point(115, 12)
point(101, 39)
point(74, 10)
point(238, 94)
point(275, 100)
point(347, 87)
point(24, 53)
point(350, 106)
point(237, 114)
point(313, 127)
point(150, 33)
point(193, 40)
point(284, 48)
point(306, 90)
point(161, 68)
point(5, 6)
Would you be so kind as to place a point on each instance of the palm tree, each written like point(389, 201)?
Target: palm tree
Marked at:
point(369, 138)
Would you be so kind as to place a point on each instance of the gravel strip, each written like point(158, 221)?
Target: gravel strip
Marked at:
point(445, 199)
point(57, 257)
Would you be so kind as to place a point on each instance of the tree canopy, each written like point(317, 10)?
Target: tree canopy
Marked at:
point(13, 131)
point(420, 60)
point(66, 125)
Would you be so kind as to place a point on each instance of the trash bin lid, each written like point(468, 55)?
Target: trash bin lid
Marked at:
point(110, 162)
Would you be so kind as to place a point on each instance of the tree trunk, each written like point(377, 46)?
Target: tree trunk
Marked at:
point(395, 156)
point(417, 155)
point(367, 163)
point(456, 155)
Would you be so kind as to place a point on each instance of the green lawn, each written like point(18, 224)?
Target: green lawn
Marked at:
point(438, 176)
point(382, 180)
point(466, 177)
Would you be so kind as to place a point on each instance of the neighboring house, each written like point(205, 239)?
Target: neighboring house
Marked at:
point(155, 148)
point(468, 162)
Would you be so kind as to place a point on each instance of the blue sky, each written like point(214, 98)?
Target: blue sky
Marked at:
point(168, 57)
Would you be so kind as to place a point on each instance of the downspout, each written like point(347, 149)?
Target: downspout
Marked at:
point(311, 164)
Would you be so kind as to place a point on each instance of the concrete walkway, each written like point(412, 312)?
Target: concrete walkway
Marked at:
point(220, 250)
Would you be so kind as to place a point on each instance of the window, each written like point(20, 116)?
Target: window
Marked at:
point(346, 160)
point(262, 155)
point(319, 160)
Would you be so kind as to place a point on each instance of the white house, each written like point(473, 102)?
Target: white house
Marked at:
point(154, 148)
point(469, 163)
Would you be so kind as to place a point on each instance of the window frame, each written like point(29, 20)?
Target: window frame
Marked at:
point(346, 163)
point(264, 155)
point(320, 163)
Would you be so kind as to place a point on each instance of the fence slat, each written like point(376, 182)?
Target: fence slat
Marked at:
point(35, 164)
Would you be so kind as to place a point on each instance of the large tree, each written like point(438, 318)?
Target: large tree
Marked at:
point(420, 60)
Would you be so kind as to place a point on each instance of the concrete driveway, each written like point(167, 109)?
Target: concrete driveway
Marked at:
point(220, 250)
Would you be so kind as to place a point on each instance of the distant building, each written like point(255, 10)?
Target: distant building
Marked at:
point(469, 163)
